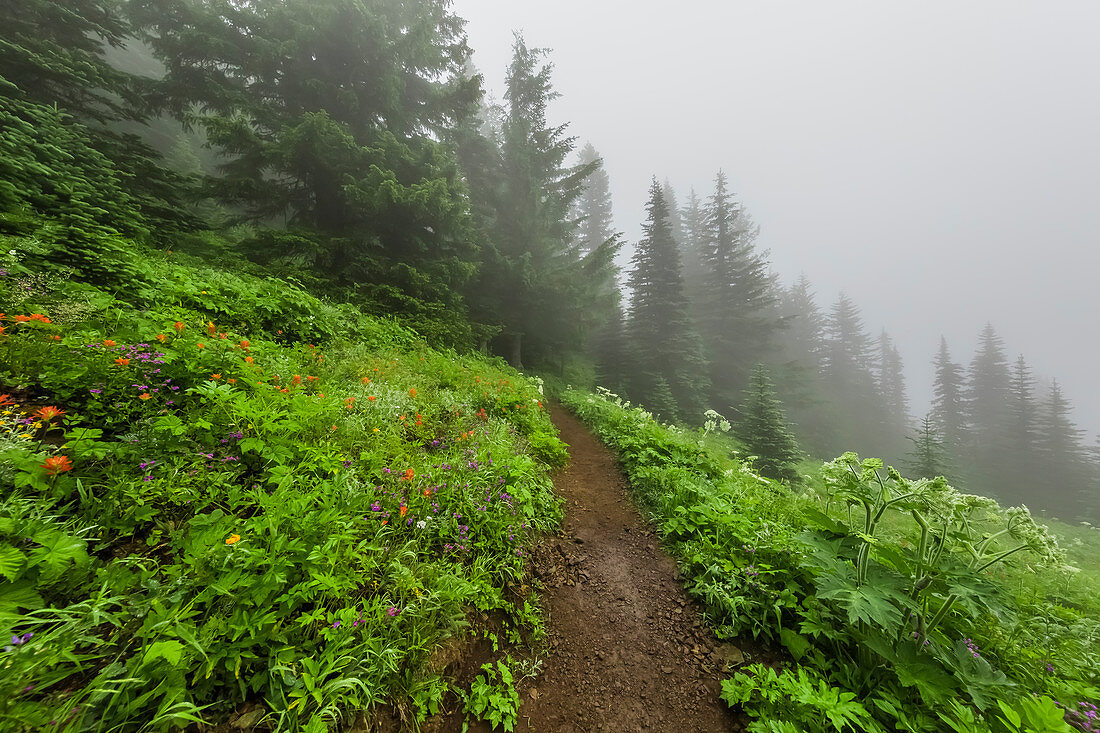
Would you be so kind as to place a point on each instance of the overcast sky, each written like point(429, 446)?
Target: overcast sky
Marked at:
point(937, 161)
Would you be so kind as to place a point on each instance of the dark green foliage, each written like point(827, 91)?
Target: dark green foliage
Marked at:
point(52, 52)
point(55, 185)
point(670, 372)
point(329, 114)
point(764, 431)
point(889, 595)
point(615, 357)
point(547, 290)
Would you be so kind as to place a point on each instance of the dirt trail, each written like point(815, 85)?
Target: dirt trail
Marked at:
point(627, 649)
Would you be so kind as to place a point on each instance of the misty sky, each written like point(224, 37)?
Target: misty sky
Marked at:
point(937, 161)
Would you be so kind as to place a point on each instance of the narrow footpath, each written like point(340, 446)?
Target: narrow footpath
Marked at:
point(627, 651)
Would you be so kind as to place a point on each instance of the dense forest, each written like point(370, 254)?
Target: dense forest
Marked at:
point(262, 178)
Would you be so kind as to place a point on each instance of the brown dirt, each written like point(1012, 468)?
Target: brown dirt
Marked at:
point(627, 648)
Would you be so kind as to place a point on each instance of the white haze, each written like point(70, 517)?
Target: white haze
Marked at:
point(936, 161)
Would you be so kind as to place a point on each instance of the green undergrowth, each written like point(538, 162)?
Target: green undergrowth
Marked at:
point(222, 499)
point(896, 604)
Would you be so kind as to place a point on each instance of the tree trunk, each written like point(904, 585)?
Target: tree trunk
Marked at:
point(515, 350)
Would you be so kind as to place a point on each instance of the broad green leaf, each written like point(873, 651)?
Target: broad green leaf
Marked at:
point(11, 561)
point(169, 650)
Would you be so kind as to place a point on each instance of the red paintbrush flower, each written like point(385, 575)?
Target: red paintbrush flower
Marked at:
point(57, 464)
point(48, 413)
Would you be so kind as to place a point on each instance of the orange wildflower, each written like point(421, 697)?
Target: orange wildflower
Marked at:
point(121, 361)
point(21, 319)
point(40, 317)
point(178, 325)
point(5, 399)
point(145, 396)
point(55, 337)
point(232, 539)
point(366, 380)
point(215, 377)
point(211, 328)
point(200, 345)
point(48, 414)
point(244, 344)
point(409, 474)
point(427, 492)
point(109, 343)
point(297, 379)
point(248, 360)
point(372, 398)
point(412, 392)
point(223, 336)
point(312, 379)
point(404, 510)
point(231, 380)
point(334, 428)
point(2, 329)
point(57, 464)
point(161, 337)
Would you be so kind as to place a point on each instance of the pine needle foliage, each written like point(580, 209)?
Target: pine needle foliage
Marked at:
point(764, 429)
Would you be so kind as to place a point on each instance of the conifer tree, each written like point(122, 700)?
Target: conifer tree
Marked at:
point(52, 52)
point(735, 301)
point(330, 114)
point(927, 458)
point(798, 365)
point(1064, 476)
point(849, 379)
point(550, 294)
point(693, 226)
point(1020, 435)
point(764, 431)
point(987, 403)
point(891, 382)
point(615, 356)
point(671, 368)
point(987, 396)
point(948, 400)
point(593, 208)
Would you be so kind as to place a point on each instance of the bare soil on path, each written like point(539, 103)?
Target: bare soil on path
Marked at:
point(627, 649)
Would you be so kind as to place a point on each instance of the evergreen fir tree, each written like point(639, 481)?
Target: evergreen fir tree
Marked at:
point(891, 383)
point(330, 115)
point(987, 402)
point(948, 401)
point(987, 396)
point(736, 298)
point(1021, 435)
point(614, 355)
point(798, 365)
point(667, 345)
point(927, 459)
point(1064, 476)
point(593, 208)
point(764, 431)
point(850, 382)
